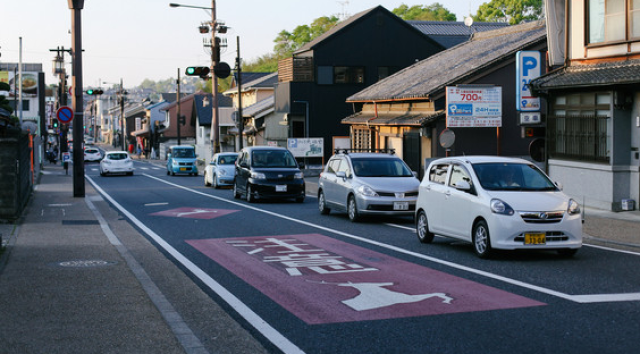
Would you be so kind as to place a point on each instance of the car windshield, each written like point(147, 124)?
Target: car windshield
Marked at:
point(512, 177)
point(378, 167)
point(273, 158)
point(183, 153)
point(227, 160)
point(117, 156)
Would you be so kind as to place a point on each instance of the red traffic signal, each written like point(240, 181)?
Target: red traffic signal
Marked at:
point(201, 71)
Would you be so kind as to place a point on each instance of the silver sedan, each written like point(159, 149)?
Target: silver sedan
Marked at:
point(221, 170)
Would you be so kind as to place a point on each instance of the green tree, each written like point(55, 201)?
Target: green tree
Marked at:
point(433, 12)
point(511, 11)
point(288, 42)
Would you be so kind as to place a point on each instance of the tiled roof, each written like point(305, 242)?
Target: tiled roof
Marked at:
point(451, 33)
point(267, 80)
point(259, 107)
point(601, 74)
point(406, 119)
point(430, 76)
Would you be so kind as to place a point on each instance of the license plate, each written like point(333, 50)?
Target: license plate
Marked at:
point(183, 168)
point(281, 188)
point(535, 238)
point(401, 206)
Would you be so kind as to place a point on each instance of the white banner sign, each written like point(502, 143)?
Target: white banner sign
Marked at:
point(474, 106)
point(306, 147)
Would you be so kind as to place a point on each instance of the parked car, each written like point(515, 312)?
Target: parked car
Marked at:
point(182, 160)
point(221, 171)
point(497, 203)
point(367, 183)
point(116, 162)
point(268, 172)
point(92, 154)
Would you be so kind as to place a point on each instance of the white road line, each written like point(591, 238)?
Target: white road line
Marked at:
point(590, 298)
point(251, 317)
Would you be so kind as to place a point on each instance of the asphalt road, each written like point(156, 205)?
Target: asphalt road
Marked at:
point(305, 282)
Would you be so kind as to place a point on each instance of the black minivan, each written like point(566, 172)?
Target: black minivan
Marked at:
point(265, 172)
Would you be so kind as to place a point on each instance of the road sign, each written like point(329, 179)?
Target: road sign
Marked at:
point(65, 114)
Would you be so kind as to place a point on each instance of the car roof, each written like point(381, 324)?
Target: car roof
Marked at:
point(264, 147)
point(475, 159)
point(117, 152)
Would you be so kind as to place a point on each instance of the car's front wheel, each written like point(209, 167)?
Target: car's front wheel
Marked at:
point(214, 181)
point(482, 239)
point(322, 204)
point(206, 181)
point(422, 228)
point(352, 209)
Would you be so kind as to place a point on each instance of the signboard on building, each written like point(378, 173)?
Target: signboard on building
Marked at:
point(528, 67)
point(306, 147)
point(474, 106)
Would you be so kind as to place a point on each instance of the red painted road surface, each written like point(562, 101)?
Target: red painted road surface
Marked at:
point(323, 280)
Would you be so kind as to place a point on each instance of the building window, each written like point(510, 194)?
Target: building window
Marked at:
point(348, 75)
point(608, 20)
point(361, 138)
point(579, 127)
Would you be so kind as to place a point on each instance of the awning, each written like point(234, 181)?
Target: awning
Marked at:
point(141, 132)
point(623, 72)
point(417, 119)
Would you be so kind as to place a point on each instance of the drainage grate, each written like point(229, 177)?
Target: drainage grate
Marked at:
point(80, 222)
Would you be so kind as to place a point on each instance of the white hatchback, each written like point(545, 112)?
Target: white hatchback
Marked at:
point(116, 162)
point(496, 203)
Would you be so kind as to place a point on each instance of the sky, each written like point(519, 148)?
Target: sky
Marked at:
point(134, 40)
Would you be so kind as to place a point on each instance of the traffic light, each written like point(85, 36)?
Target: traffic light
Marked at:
point(201, 71)
point(55, 123)
point(92, 92)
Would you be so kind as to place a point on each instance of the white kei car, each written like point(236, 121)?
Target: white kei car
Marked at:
point(496, 203)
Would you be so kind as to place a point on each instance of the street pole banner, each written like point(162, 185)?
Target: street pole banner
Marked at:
point(474, 106)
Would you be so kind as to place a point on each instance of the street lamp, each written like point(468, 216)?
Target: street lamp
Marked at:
point(215, 58)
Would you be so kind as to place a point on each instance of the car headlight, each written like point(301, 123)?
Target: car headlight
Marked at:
point(500, 207)
point(367, 191)
point(299, 175)
point(258, 175)
point(574, 207)
point(174, 163)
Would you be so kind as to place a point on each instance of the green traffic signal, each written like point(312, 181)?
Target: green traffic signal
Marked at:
point(92, 92)
point(201, 71)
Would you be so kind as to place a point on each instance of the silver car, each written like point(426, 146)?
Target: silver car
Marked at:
point(221, 171)
point(367, 184)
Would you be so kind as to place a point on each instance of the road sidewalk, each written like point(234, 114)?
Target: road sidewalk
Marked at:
point(71, 281)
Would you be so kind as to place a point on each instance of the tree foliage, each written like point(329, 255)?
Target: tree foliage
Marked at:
point(288, 42)
point(433, 12)
point(511, 11)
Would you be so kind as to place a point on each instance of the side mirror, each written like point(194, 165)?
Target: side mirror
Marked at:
point(415, 174)
point(559, 185)
point(341, 174)
point(463, 186)
point(301, 165)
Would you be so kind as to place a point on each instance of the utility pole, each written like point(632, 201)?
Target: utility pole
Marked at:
point(240, 118)
point(76, 7)
point(178, 118)
point(122, 125)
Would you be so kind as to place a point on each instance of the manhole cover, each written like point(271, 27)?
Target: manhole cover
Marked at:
point(89, 263)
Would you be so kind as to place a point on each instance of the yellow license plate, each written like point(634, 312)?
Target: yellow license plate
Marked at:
point(183, 168)
point(538, 238)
